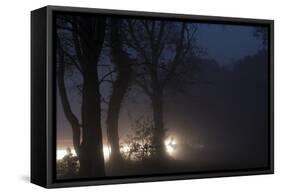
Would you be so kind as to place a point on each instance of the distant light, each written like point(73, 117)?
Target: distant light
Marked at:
point(60, 154)
point(125, 148)
point(170, 145)
point(106, 152)
point(63, 152)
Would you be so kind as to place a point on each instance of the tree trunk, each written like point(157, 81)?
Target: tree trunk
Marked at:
point(159, 131)
point(88, 36)
point(119, 88)
point(91, 151)
point(65, 102)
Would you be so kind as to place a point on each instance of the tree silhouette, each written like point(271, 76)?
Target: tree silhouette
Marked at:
point(140, 146)
point(162, 49)
point(123, 68)
point(87, 38)
point(68, 165)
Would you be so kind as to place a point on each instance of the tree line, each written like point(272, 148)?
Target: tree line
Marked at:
point(149, 54)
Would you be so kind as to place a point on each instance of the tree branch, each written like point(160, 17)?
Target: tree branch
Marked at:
point(74, 122)
point(74, 62)
point(106, 75)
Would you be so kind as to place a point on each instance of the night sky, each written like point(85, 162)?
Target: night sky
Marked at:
point(227, 43)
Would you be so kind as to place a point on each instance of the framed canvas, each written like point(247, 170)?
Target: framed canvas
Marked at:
point(124, 96)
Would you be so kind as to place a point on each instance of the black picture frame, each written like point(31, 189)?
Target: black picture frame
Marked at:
point(43, 120)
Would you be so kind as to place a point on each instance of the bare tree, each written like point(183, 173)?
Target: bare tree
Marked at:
point(87, 34)
point(123, 68)
point(162, 49)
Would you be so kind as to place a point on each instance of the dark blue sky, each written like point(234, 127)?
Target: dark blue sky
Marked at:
point(227, 43)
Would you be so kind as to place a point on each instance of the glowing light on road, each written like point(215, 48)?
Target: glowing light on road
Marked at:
point(170, 145)
point(63, 152)
point(125, 148)
point(106, 152)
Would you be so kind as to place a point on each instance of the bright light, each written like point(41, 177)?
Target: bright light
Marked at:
point(170, 144)
point(60, 154)
point(63, 152)
point(106, 152)
point(125, 148)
